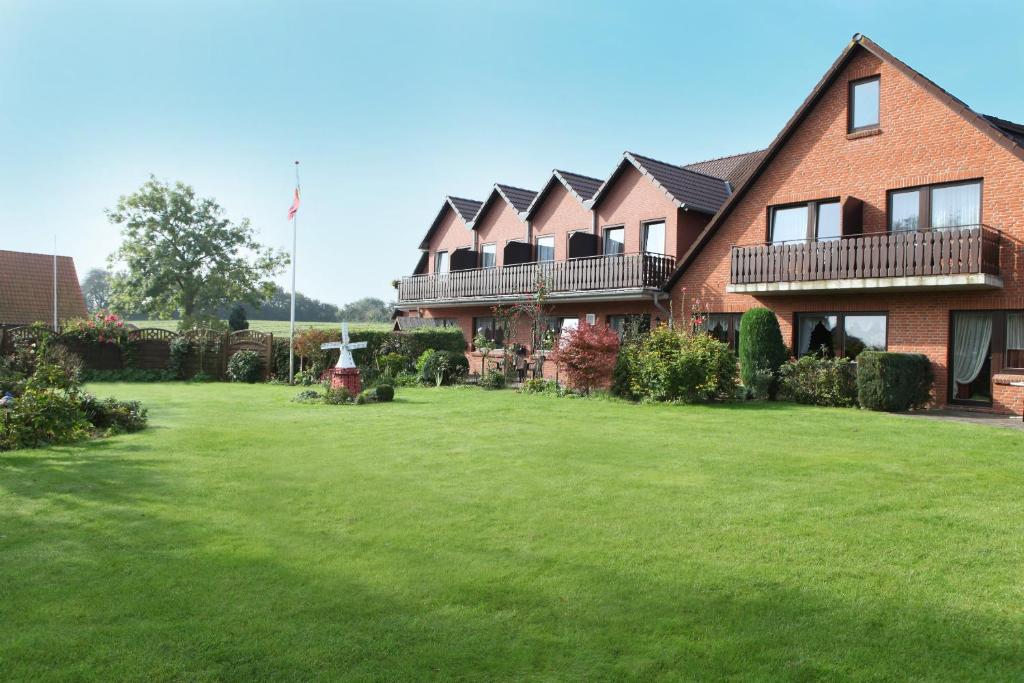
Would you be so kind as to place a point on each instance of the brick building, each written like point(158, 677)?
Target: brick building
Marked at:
point(26, 289)
point(886, 214)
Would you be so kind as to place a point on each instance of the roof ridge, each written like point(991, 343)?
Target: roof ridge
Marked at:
point(680, 167)
point(34, 253)
point(578, 175)
point(727, 156)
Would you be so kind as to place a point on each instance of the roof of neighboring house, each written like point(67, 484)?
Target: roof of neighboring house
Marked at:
point(702, 186)
point(734, 168)
point(516, 197)
point(1004, 133)
point(26, 288)
point(580, 186)
point(465, 209)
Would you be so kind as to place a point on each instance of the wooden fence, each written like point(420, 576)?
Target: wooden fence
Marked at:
point(150, 349)
point(948, 251)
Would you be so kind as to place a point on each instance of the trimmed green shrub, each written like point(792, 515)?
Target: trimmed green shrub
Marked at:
point(493, 380)
point(366, 396)
point(673, 366)
point(443, 367)
point(385, 393)
point(245, 366)
point(761, 349)
point(819, 381)
point(114, 416)
point(893, 381)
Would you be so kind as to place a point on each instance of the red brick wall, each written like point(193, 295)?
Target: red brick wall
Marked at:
point(499, 223)
point(921, 141)
point(451, 234)
point(558, 214)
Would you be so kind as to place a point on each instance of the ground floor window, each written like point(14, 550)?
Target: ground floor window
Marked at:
point(629, 324)
point(489, 328)
point(725, 327)
point(983, 343)
point(840, 334)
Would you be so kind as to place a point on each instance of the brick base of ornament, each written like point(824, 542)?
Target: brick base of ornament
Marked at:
point(345, 377)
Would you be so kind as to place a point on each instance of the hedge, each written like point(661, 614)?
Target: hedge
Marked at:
point(893, 381)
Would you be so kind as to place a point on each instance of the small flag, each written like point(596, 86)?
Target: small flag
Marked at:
point(295, 206)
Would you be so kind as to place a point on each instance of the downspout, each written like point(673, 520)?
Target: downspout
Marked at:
point(656, 298)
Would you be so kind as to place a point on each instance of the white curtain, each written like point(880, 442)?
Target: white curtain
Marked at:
point(1015, 331)
point(956, 205)
point(972, 334)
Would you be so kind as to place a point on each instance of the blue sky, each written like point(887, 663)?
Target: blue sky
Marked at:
point(391, 105)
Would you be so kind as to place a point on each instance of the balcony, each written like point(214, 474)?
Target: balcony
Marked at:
point(624, 277)
point(960, 258)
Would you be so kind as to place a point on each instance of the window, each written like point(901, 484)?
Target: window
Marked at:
point(489, 256)
point(956, 205)
point(654, 237)
point(614, 241)
point(566, 324)
point(789, 224)
point(821, 220)
point(827, 224)
point(1015, 339)
point(546, 248)
point(725, 327)
point(441, 262)
point(904, 211)
point(840, 335)
point(629, 325)
point(953, 205)
point(864, 99)
point(489, 328)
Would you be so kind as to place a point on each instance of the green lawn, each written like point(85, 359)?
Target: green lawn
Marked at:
point(489, 536)
point(277, 327)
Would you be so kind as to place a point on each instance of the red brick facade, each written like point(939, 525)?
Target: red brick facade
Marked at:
point(921, 140)
point(924, 137)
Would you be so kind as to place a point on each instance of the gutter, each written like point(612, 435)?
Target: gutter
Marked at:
point(656, 299)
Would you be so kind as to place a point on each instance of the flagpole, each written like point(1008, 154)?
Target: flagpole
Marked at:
point(291, 325)
point(55, 283)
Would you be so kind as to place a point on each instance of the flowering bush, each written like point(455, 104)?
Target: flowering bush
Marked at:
point(103, 328)
point(588, 355)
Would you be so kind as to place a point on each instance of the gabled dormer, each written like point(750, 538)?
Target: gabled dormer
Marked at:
point(499, 228)
point(559, 220)
point(450, 232)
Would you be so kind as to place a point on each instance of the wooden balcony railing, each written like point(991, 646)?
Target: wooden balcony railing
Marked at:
point(594, 273)
point(941, 251)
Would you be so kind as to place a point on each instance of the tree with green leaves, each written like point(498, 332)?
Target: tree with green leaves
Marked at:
point(96, 289)
point(181, 254)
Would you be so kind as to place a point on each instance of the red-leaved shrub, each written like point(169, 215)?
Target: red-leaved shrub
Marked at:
point(588, 355)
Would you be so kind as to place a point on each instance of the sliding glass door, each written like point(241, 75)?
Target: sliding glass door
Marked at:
point(972, 356)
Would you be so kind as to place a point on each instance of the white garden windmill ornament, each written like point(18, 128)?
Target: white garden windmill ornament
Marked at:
point(346, 347)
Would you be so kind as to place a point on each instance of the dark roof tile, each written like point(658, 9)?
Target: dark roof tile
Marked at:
point(692, 188)
point(519, 198)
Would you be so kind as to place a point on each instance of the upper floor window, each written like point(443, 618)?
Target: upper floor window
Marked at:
point(614, 241)
point(441, 262)
point(489, 256)
point(938, 206)
point(546, 248)
point(654, 237)
point(864, 99)
point(814, 220)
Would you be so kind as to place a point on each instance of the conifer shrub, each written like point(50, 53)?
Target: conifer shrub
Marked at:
point(762, 352)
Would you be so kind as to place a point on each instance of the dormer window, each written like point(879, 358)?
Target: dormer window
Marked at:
point(863, 105)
